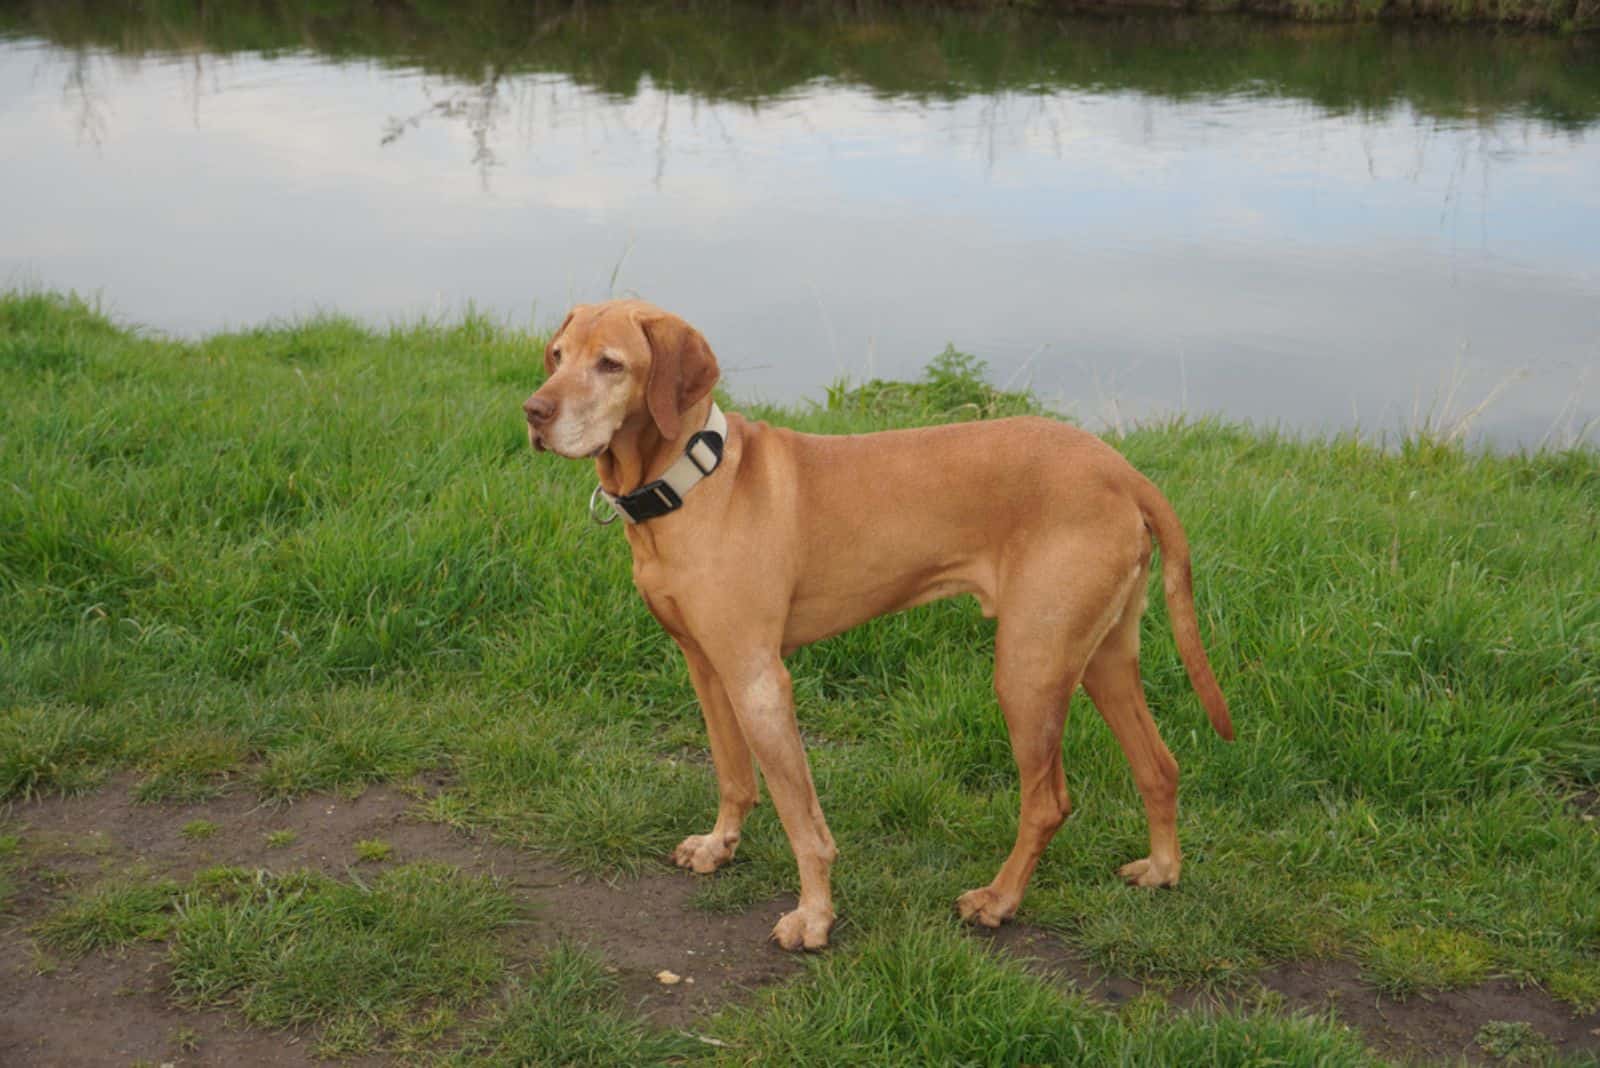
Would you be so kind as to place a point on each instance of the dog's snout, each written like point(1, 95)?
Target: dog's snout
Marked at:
point(539, 409)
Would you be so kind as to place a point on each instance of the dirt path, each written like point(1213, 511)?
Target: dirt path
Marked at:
point(108, 1009)
point(1436, 1027)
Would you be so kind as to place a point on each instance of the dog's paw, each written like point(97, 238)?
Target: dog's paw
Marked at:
point(705, 853)
point(1146, 872)
point(986, 906)
point(803, 929)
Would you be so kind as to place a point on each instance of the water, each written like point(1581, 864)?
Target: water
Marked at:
point(1319, 228)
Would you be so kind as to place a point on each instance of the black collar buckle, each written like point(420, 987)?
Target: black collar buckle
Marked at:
point(712, 442)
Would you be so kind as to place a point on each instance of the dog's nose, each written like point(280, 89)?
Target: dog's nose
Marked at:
point(539, 409)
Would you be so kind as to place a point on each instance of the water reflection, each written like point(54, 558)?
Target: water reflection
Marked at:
point(1308, 225)
point(742, 52)
point(478, 108)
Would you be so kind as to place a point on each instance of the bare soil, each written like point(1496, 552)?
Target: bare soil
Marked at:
point(1425, 1029)
point(110, 1009)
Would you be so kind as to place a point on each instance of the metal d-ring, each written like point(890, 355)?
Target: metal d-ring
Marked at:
point(594, 516)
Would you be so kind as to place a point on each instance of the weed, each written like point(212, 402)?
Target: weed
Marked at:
point(280, 839)
point(1514, 1042)
point(198, 830)
point(186, 1039)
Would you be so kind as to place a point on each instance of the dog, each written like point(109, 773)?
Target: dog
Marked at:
point(750, 541)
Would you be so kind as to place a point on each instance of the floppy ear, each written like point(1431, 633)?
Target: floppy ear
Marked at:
point(550, 349)
point(682, 370)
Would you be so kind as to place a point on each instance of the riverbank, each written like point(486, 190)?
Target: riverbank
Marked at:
point(750, 51)
point(1567, 16)
point(318, 560)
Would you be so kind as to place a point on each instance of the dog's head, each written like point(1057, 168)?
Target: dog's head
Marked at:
point(613, 366)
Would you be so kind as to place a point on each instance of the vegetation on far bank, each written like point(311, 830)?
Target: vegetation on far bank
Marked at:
point(319, 555)
point(751, 52)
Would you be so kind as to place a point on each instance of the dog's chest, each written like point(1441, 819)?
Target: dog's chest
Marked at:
point(662, 604)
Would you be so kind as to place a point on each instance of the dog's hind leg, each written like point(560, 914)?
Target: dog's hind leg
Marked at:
point(1113, 683)
point(1044, 639)
point(1035, 712)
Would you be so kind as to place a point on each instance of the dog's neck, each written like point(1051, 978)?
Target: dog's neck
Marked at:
point(639, 453)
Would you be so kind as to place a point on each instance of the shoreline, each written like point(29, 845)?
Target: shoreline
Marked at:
point(1561, 16)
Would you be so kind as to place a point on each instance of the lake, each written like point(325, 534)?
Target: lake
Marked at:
point(1320, 228)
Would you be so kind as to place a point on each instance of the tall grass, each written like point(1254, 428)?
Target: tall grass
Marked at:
point(315, 555)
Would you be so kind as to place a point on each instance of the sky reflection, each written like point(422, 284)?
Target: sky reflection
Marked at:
point(1129, 256)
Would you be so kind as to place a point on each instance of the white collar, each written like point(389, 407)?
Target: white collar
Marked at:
point(701, 456)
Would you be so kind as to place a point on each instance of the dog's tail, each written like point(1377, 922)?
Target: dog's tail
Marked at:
point(1178, 582)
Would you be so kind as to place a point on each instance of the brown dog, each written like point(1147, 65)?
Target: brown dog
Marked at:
point(794, 537)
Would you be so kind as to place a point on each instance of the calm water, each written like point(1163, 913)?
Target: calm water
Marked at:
point(1314, 227)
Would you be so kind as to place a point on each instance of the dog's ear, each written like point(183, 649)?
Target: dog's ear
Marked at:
point(550, 349)
point(682, 370)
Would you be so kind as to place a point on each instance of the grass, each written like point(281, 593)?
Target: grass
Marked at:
point(912, 993)
point(373, 851)
point(198, 830)
point(110, 916)
point(369, 963)
point(10, 847)
point(1408, 960)
point(567, 1011)
point(314, 556)
point(195, 767)
point(365, 961)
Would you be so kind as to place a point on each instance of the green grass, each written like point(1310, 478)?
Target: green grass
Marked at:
point(566, 1011)
point(919, 993)
point(373, 851)
point(1409, 960)
point(10, 848)
point(110, 916)
point(363, 961)
point(371, 965)
point(194, 767)
point(198, 830)
point(315, 556)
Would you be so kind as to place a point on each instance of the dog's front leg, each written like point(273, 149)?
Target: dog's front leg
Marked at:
point(736, 775)
point(764, 704)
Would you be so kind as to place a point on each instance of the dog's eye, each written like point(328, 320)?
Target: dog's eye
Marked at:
point(608, 366)
point(555, 358)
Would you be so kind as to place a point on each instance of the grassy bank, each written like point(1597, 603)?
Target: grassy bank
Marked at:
point(319, 555)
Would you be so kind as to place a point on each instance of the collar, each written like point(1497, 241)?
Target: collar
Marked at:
point(700, 457)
